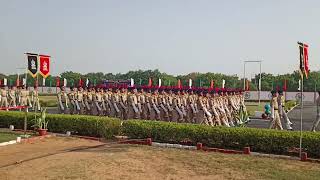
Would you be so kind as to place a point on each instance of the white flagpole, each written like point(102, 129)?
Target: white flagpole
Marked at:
point(301, 113)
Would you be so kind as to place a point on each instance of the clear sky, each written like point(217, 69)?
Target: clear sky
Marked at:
point(175, 36)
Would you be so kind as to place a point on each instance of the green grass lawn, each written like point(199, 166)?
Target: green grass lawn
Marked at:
point(6, 136)
point(254, 106)
point(48, 101)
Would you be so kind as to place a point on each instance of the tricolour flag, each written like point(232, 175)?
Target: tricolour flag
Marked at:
point(303, 60)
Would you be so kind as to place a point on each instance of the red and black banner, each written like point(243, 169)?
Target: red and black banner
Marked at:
point(303, 59)
point(44, 64)
point(32, 64)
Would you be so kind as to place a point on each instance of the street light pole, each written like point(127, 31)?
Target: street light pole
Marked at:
point(260, 76)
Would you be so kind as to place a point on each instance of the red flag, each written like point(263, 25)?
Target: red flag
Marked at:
point(306, 60)
point(179, 83)
point(57, 82)
point(0, 82)
point(285, 85)
point(44, 63)
point(17, 82)
point(247, 86)
point(80, 82)
point(36, 82)
point(212, 84)
point(150, 82)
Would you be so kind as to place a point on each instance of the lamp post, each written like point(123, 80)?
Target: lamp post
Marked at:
point(244, 77)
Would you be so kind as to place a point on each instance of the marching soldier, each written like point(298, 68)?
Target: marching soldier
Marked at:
point(133, 111)
point(98, 101)
point(12, 97)
point(116, 103)
point(62, 100)
point(283, 114)
point(124, 103)
point(275, 123)
point(142, 104)
point(25, 97)
point(4, 97)
point(35, 99)
point(72, 98)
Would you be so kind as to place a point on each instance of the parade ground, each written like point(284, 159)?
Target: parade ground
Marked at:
point(71, 158)
point(309, 115)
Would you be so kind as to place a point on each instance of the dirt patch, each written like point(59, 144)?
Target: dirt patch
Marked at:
point(70, 158)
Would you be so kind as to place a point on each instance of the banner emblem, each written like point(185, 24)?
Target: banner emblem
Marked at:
point(44, 65)
point(33, 64)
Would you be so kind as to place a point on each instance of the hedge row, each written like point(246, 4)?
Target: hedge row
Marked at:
point(260, 140)
point(80, 125)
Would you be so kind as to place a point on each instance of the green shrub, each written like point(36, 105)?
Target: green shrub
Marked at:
point(60, 123)
point(260, 140)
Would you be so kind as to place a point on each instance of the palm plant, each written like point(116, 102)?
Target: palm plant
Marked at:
point(242, 117)
point(41, 122)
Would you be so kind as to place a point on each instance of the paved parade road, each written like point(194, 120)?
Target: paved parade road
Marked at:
point(309, 115)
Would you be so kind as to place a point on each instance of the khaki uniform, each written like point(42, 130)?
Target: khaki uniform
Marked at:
point(24, 98)
point(275, 122)
point(62, 101)
point(72, 99)
point(35, 100)
point(4, 98)
point(12, 98)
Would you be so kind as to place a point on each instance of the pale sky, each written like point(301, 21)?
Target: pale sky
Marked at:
point(174, 36)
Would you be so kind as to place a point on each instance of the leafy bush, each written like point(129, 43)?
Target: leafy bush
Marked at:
point(59, 123)
point(289, 105)
point(260, 140)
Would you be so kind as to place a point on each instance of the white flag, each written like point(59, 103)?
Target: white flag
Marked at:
point(299, 89)
point(160, 82)
point(64, 82)
point(87, 82)
point(5, 81)
point(43, 82)
point(24, 82)
point(131, 82)
point(190, 83)
point(223, 83)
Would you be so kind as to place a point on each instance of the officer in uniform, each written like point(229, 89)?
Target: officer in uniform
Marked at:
point(62, 100)
point(98, 101)
point(4, 97)
point(275, 123)
point(25, 97)
point(284, 116)
point(35, 99)
point(12, 96)
point(72, 100)
point(116, 102)
point(133, 111)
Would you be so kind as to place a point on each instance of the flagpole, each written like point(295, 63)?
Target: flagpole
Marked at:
point(301, 113)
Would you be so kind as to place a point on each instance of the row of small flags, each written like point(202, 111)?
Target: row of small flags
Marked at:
point(179, 84)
